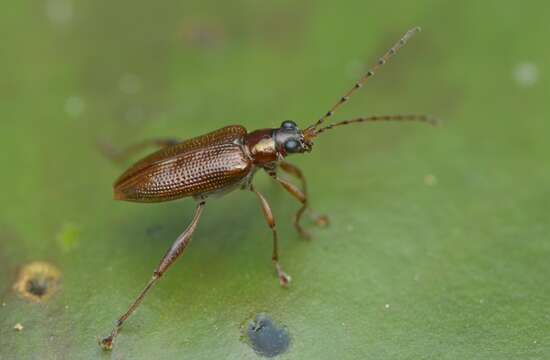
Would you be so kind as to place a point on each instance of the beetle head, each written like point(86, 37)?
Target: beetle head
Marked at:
point(269, 145)
point(289, 139)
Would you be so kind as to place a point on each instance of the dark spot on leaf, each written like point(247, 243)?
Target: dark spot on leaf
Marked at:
point(37, 281)
point(37, 286)
point(267, 338)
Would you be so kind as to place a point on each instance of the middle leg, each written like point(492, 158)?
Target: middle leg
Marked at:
point(301, 195)
point(284, 278)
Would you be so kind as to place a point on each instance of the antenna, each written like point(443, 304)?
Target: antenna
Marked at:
point(391, 52)
point(421, 118)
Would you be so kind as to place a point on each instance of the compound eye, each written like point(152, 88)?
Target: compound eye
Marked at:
point(289, 125)
point(292, 146)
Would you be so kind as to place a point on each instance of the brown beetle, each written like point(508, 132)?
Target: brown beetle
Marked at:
point(225, 160)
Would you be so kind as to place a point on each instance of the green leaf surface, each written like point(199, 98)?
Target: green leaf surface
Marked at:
point(438, 246)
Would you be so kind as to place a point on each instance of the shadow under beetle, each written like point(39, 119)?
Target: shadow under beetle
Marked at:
point(225, 160)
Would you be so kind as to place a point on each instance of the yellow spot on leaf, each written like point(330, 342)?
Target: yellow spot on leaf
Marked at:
point(37, 281)
point(68, 237)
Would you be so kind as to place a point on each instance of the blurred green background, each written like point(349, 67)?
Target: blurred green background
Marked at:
point(439, 244)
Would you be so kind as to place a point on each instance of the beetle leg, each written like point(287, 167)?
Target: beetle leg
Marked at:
point(169, 258)
point(122, 155)
point(301, 196)
point(284, 279)
point(319, 220)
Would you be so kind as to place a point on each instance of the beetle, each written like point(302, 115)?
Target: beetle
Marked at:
point(227, 159)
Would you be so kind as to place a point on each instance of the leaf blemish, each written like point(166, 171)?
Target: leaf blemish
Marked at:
point(37, 281)
point(267, 338)
point(68, 237)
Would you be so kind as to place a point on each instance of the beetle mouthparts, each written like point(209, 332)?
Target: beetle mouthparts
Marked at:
point(309, 134)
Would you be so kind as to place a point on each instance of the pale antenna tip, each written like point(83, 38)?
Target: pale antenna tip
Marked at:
point(417, 29)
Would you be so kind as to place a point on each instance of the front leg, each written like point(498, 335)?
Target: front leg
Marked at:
point(301, 195)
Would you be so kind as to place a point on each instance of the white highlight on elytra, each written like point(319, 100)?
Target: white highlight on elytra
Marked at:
point(60, 12)
point(526, 74)
point(74, 106)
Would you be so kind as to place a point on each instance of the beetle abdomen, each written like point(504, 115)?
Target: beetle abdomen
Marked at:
point(195, 172)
